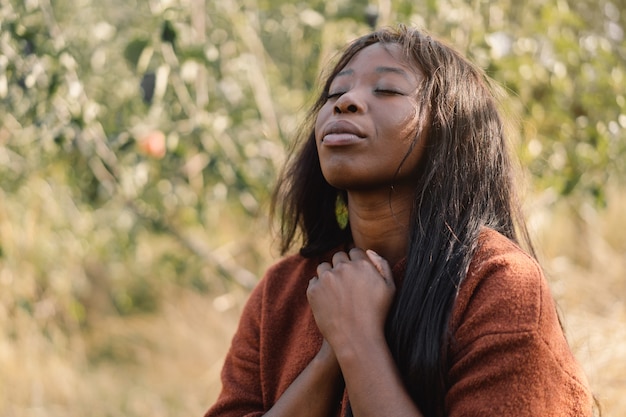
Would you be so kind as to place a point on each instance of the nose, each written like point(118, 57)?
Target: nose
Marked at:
point(348, 103)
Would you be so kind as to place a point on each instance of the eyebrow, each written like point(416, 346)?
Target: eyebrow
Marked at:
point(393, 70)
point(344, 73)
point(378, 70)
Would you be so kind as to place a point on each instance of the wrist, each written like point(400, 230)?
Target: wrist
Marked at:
point(326, 360)
point(359, 347)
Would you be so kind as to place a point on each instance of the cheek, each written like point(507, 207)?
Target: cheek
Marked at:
point(409, 144)
point(403, 127)
point(411, 122)
point(318, 129)
point(322, 115)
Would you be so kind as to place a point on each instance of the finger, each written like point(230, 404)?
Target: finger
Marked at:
point(381, 265)
point(310, 288)
point(357, 254)
point(323, 267)
point(340, 257)
point(313, 283)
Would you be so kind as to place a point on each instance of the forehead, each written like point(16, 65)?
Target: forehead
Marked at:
point(381, 58)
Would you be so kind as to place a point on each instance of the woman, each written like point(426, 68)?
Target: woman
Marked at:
point(422, 304)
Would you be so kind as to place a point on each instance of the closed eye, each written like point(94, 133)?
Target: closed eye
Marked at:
point(388, 92)
point(334, 95)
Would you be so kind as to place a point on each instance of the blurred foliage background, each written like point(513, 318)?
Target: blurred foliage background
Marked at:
point(140, 139)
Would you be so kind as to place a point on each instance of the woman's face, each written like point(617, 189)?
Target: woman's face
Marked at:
point(370, 121)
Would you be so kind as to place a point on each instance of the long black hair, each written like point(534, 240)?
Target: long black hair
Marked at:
point(466, 184)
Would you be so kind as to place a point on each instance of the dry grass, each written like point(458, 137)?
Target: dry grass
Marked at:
point(155, 365)
point(168, 364)
point(586, 264)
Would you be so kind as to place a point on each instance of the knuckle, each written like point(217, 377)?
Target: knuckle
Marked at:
point(324, 275)
point(339, 257)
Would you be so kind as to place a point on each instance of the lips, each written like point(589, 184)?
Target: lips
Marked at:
point(341, 132)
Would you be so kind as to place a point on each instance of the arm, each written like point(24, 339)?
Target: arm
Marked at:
point(241, 394)
point(316, 392)
point(373, 381)
point(350, 300)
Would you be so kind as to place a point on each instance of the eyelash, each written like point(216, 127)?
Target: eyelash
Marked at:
point(388, 92)
point(378, 91)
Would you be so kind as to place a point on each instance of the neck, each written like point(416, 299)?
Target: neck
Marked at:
point(380, 221)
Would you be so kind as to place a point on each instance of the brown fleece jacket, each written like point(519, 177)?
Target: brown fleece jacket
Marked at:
point(507, 355)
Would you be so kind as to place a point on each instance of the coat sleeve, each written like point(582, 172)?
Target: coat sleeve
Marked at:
point(508, 355)
point(241, 394)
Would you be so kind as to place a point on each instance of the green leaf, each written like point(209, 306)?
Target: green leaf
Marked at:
point(133, 51)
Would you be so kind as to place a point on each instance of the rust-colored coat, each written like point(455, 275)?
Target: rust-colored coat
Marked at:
point(507, 357)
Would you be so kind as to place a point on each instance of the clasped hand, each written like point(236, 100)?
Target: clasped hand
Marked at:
point(351, 297)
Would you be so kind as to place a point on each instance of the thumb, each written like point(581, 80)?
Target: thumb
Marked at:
point(381, 265)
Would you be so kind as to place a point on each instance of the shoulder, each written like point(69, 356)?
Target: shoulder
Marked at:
point(292, 269)
point(287, 277)
point(497, 254)
point(288, 265)
point(504, 290)
point(506, 346)
point(279, 296)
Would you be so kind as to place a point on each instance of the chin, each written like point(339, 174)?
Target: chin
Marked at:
point(340, 185)
point(340, 182)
